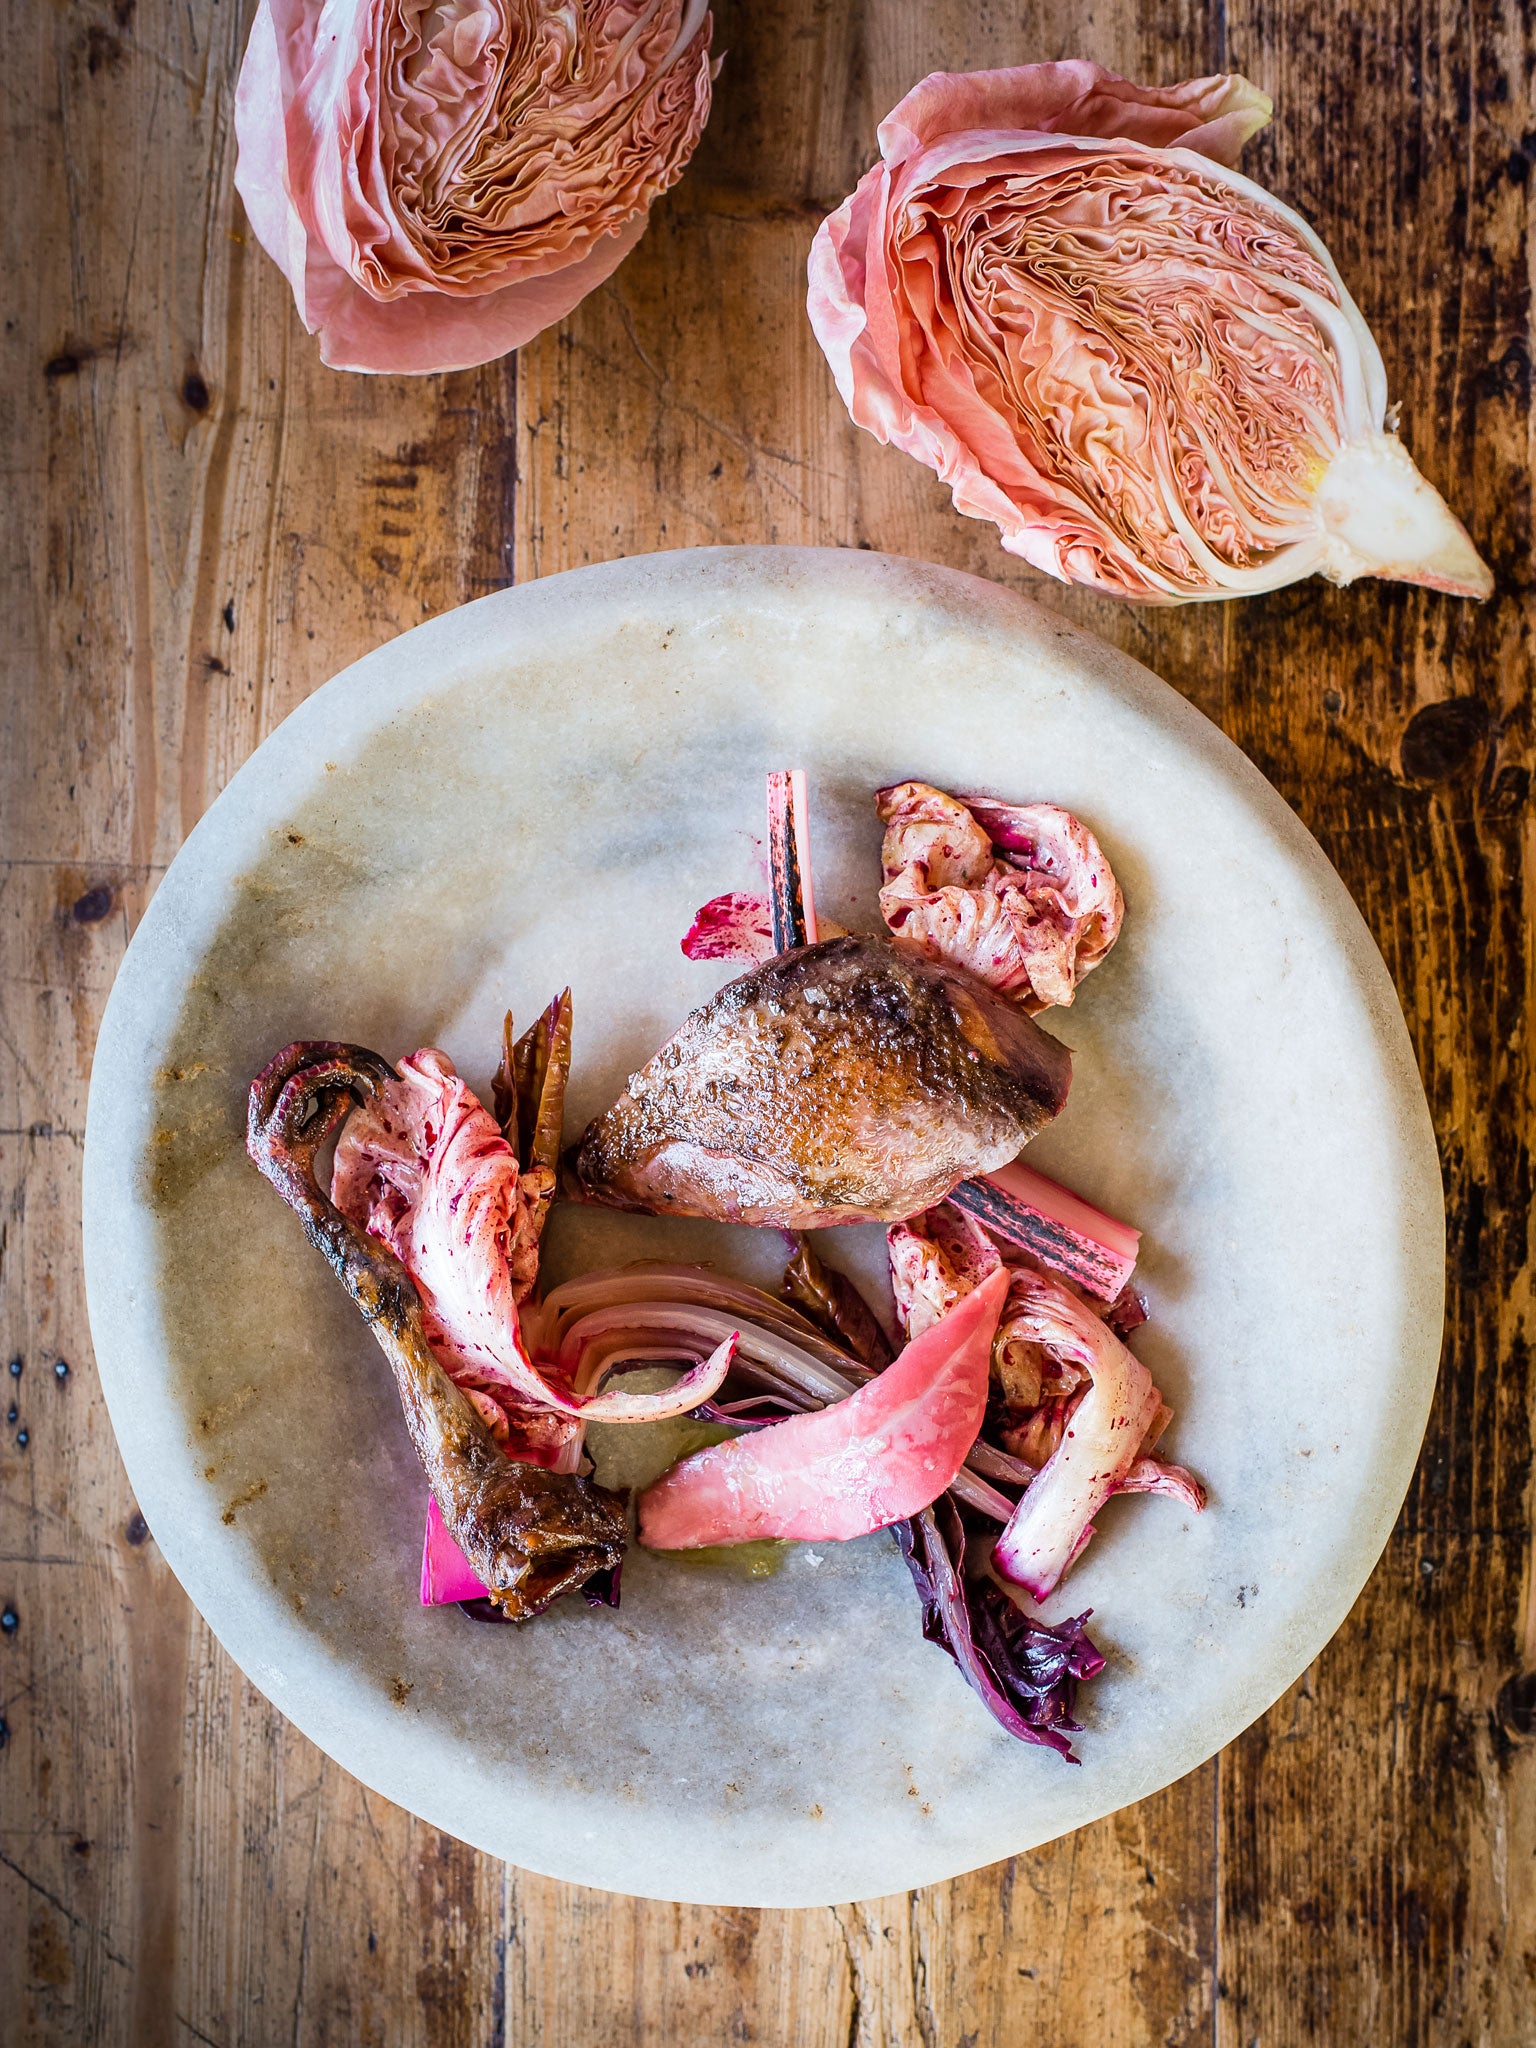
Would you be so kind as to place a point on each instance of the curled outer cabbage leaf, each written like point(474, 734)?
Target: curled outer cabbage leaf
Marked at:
point(441, 179)
point(1055, 291)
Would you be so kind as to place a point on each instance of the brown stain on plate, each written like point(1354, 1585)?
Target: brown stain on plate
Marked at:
point(243, 1499)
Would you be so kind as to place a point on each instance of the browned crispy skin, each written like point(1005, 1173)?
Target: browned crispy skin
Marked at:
point(531, 1535)
point(854, 1080)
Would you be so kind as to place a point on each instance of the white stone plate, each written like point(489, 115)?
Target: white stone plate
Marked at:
point(540, 788)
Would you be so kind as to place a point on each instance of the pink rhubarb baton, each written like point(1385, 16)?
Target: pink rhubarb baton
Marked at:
point(885, 1453)
point(1054, 1226)
point(792, 897)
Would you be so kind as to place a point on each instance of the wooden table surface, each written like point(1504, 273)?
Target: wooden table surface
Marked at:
point(203, 524)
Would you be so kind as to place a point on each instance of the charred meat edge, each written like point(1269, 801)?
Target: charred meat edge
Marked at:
point(529, 1534)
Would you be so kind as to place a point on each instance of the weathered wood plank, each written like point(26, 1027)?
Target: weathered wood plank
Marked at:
point(1376, 1849)
point(212, 525)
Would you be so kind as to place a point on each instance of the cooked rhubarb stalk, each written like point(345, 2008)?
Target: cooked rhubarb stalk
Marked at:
point(527, 1534)
point(1054, 1226)
point(542, 1059)
point(1101, 1445)
point(425, 1170)
point(886, 1452)
point(792, 898)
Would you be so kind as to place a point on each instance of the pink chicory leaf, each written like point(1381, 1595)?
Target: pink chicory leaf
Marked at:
point(1098, 1448)
point(1054, 291)
point(1060, 1231)
point(1155, 1475)
point(426, 1169)
point(1020, 894)
point(887, 1451)
point(440, 182)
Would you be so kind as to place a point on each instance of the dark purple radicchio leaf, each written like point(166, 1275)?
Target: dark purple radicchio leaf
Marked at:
point(602, 1589)
point(1025, 1672)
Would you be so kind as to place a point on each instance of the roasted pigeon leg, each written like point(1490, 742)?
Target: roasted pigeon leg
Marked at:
point(530, 1534)
point(850, 1081)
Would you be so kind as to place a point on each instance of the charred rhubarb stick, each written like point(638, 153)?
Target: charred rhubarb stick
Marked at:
point(792, 899)
point(528, 1534)
point(1063, 1232)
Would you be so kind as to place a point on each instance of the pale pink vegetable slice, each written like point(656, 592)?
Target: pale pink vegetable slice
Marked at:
point(735, 926)
point(883, 1454)
point(1099, 1449)
point(1055, 1226)
point(1019, 894)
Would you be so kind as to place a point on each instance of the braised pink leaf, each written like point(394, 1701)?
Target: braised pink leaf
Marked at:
point(858, 1465)
point(1021, 894)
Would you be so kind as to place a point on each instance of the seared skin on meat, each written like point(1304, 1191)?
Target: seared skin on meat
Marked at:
point(530, 1534)
point(850, 1081)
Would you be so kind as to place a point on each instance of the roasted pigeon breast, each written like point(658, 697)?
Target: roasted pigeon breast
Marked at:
point(851, 1081)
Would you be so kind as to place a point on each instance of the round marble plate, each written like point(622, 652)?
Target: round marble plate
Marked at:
point(539, 789)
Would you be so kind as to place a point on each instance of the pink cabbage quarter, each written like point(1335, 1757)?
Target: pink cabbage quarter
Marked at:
point(441, 179)
point(1055, 291)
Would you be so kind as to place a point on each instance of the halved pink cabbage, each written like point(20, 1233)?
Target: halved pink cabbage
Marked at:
point(1020, 894)
point(1054, 291)
point(886, 1452)
point(441, 179)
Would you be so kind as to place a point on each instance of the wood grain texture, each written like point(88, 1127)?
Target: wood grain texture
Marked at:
point(203, 524)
